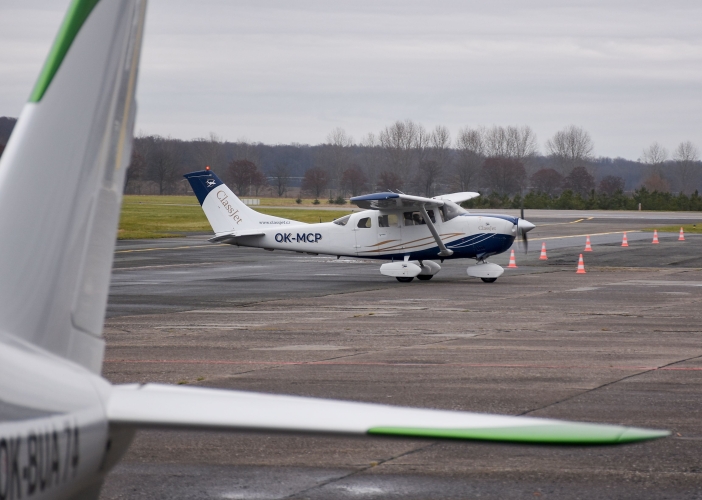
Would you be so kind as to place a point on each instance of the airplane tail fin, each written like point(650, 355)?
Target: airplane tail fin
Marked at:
point(224, 210)
point(61, 181)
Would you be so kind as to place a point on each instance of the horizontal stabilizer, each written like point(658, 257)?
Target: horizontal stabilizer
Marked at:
point(163, 406)
point(231, 237)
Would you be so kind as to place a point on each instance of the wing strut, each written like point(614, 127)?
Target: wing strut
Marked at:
point(445, 252)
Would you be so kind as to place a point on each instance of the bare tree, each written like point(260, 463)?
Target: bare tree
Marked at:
point(611, 185)
point(518, 143)
point(570, 148)
point(244, 175)
point(547, 181)
point(353, 180)
point(686, 156)
point(429, 172)
point(315, 181)
point(398, 142)
point(654, 154)
point(504, 175)
point(135, 172)
point(470, 147)
point(335, 155)
point(281, 178)
point(209, 151)
point(389, 181)
point(521, 143)
point(161, 163)
point(242, 149)
point(655, 182)
point(580, 181)
point(370, 157)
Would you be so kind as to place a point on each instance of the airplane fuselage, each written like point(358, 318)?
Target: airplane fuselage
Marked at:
point(392, 235)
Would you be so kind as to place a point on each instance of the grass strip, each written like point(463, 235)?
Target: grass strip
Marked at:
point(150, 217)
point(688, 228)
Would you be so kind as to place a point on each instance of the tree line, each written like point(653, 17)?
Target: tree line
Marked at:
point(499, 161)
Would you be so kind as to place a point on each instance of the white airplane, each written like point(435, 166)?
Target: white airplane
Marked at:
point(406, 230)
point(63, 426)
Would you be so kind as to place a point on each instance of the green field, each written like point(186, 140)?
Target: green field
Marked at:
point(146, 217)
point(688, 228)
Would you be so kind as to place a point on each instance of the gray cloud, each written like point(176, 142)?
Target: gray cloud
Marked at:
point(278, 72)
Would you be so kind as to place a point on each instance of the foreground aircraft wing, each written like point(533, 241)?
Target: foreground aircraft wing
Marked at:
point(457, 198)
point(154, 405)
point(394, 201)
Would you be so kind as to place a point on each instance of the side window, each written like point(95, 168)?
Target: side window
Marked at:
point(442, 214)
point(408, 219)
point(416, 218)
point(388, 220)
point(364, 223)
point(430, 213)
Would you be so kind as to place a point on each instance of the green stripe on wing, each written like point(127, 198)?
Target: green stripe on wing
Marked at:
point(557, 433)
point(77, 14)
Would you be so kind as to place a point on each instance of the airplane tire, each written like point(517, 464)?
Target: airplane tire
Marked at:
point(403, 279)
point(425, 277)
point(489, 280)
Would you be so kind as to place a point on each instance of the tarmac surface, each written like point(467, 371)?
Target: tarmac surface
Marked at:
point(620, 344)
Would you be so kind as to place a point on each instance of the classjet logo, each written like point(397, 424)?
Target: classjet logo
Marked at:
point(211, 182)
point(231, 211)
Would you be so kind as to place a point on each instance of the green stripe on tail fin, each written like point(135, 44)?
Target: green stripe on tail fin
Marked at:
point(78, 12)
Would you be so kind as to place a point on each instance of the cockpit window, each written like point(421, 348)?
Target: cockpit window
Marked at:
point(364, 223)
point(342, 220)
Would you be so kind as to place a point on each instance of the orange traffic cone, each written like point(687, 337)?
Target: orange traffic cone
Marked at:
point(543, 252)
point(512, 261)
point(581, 266)
point(655, 237)
point(625, 243)
point(588, 247)
point(682, 235)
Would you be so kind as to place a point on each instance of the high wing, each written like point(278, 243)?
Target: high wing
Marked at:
point(394, 201)
point(154, 405)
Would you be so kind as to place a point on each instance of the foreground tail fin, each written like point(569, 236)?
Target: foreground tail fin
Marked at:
point(225, 212)
point(61, 180)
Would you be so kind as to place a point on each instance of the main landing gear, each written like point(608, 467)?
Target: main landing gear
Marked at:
point(405, 271)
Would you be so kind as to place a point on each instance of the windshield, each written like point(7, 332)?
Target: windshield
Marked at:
point(342, 220)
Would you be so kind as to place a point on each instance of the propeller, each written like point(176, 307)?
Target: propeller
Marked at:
point(523, 227)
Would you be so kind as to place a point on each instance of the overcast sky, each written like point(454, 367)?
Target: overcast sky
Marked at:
point(629, 72)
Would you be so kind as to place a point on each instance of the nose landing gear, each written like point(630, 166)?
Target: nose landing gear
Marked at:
point(485, 271)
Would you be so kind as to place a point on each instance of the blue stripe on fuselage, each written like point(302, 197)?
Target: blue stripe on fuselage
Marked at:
point(466, 247)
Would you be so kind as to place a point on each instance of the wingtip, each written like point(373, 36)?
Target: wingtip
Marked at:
point(636, 434)
point(564, 433)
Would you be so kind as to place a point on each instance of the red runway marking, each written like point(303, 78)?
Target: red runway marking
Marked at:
point(356, 363)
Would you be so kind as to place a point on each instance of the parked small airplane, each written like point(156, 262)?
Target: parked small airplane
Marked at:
point(407, 230)
point(63, 426)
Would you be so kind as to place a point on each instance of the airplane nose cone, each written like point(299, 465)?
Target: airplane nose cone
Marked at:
point(525, 226)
